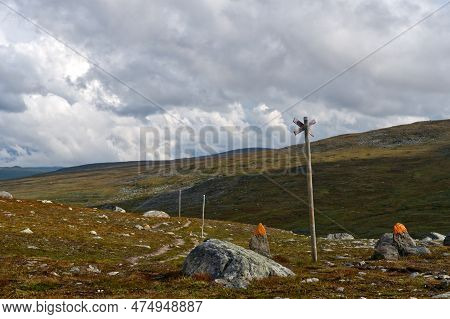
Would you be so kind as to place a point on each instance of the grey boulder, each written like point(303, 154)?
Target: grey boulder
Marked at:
point(156, 213)
point(6, 195)
point(231, 265)
point(385, 249)
point(434, 236)
point(407, 246)
point(442, 296)
point(340, 236)
point(447, 240)
point(260, 244)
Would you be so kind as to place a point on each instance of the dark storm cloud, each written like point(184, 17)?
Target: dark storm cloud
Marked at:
point(208, 55)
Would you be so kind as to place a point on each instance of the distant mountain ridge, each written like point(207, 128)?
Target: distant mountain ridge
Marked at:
point(14, 172)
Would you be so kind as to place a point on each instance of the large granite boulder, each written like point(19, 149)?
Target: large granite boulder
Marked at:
point(340, 236)
point(156, 213)
point(259, 242)
point(5, 195)
point(231, 265)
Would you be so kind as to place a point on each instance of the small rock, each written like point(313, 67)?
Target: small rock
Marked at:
point(6, 195)
point(310, 280)
point(434, 236)
point(27, 231)
point(139, 227)
point(113, 273)
point(442, 296)
point(156, 213)
point(114, 208)
point(340, 236)
point(32, 247)
point(94, 269)
point(118, 209)
point(75, 270)
point(143, 246)
point(147, 227)
point(340, 289)
point(45, 201)
point(414, 274)
point(93, 233)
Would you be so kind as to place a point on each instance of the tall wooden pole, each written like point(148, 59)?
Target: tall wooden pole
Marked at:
point(203, 214)
point(179, 203)
point(312, 222)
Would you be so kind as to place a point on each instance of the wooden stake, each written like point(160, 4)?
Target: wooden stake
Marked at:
point(179, 203)
point(203, 214)
point(312, 222)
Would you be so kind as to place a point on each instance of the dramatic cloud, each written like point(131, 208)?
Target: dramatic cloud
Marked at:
point(210, 63)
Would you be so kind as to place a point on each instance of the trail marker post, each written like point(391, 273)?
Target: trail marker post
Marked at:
point(203, 215)
point(179, 203)
point(306, 127)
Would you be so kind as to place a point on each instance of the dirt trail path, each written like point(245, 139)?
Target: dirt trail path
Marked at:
point(178, 242)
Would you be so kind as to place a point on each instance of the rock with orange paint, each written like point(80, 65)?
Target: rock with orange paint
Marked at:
point(405, 244)
point(259, 242)
point(398, 244)
point(402, 240)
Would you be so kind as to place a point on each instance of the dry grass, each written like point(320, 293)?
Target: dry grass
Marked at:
point(41, 265)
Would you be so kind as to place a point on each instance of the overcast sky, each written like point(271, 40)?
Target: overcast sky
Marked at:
point(222, 63)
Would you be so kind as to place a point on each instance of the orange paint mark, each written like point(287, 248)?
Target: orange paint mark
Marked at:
point(260, 230)
point(400, 229)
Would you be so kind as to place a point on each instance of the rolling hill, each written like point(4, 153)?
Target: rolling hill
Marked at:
point(364, 183)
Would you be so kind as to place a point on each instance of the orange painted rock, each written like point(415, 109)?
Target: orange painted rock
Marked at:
point(400, 229)
point(260, 230)
point(259, 242)
point(405, 244)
